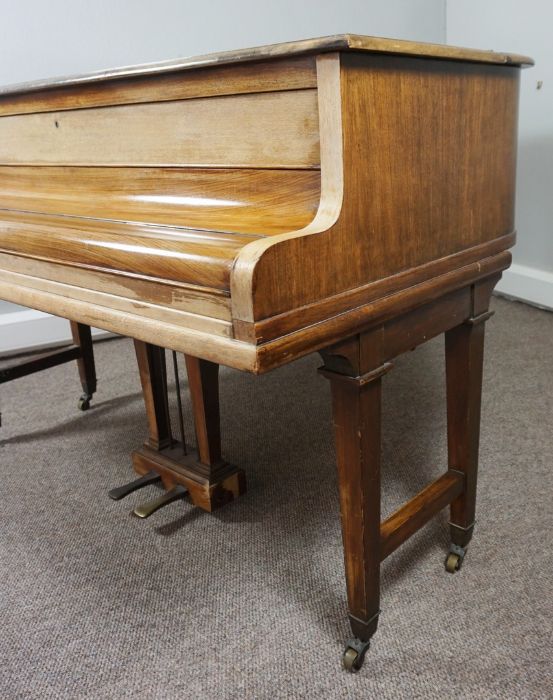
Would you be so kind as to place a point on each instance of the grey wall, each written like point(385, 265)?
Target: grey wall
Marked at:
point(523, 27)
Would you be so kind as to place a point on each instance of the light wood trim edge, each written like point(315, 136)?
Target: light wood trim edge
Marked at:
point(403, 47)
point(288, 73)
point(242, 278)
point(247, 356)
point(226, 351)
point(195, 301)
point(111, 300)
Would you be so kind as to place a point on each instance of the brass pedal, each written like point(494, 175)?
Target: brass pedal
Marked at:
point(152, 477)
point(150, 507)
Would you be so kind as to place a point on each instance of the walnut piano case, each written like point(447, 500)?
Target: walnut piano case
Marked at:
point(348, 195)
point(251, 208)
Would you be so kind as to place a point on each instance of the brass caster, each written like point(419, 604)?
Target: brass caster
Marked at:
point(354, 654)
point(452, 563)
point(84, 402)
point(454, 559)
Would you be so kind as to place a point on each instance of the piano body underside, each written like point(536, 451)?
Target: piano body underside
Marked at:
point(253, 212)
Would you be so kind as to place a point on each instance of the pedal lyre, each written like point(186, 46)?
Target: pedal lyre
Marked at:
point(152, 477)
point(150, 507)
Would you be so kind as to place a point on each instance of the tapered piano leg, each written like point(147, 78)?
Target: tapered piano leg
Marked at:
point(82, 337)
point(464, 346)
point(210, 481)
point(355, 371)
point(203, 382)
point(153, 377)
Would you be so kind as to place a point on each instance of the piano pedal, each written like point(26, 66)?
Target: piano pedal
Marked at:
point(150, 507)
point(152, 477)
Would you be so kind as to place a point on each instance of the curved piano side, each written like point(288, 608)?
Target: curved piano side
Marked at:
point(429, 155)
point(123, 205)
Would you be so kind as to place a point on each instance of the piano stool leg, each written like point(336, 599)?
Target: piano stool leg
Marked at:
point(82, 337)
point(464, 350)
point(355, 371)
point(209, 480)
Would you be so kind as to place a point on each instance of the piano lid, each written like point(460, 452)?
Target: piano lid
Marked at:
point(338, 42)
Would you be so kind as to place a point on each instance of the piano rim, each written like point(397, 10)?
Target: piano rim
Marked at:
point(336, 42)
point(249, 356)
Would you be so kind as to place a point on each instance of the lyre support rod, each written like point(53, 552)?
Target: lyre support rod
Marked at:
point(179, 402)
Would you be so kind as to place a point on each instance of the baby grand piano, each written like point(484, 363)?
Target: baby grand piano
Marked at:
point(348, 195)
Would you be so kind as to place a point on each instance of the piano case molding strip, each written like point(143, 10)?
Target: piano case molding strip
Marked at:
point(205, 343)
point(261, 130)
point(139, 309)
point(353, 299)
point(258, 77)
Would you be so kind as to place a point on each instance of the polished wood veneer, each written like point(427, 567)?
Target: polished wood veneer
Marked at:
point(325, 174)
point(349, 195)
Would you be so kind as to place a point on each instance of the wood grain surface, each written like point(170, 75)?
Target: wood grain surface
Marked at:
point(276, 129)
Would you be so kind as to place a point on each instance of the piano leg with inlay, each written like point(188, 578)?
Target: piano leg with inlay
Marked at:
point(210, 481)
point(355, 368)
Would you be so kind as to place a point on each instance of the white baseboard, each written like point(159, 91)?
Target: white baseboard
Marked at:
point(33, 330)
point(528, 284)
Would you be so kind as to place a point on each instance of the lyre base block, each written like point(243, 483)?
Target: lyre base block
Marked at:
point(209, 487)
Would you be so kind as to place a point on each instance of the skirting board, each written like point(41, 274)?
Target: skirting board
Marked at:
point(33, 330)
point(528, 284)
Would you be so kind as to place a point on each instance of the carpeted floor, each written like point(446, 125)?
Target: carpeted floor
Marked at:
point(250, 602)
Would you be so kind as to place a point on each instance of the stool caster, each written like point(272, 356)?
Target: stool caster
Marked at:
point(354, 654)
point(454, 559)
point(84, 402)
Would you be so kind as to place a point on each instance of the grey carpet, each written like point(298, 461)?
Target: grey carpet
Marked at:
point(250, 602)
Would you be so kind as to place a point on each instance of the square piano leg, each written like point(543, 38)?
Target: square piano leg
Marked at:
point(355, 368)
point(355, 371)
point(464, 349)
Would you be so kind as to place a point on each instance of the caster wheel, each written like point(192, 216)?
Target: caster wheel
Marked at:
point(452, 563)
point(354, 655)
point(84, 402)
point(454, 559)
